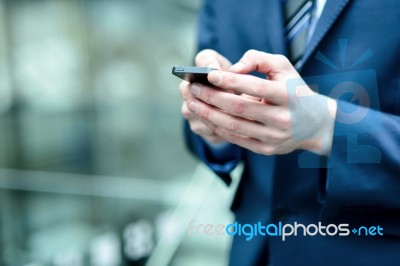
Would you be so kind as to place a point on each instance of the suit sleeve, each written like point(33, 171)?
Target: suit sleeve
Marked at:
point(221, 160)
point(364, 165)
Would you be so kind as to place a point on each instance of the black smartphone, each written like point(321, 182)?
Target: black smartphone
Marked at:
point(193, 74)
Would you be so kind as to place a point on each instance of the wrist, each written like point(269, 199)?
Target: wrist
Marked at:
point(321, 142)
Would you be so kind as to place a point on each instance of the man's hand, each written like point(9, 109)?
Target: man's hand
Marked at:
point(275, 125)
point(199, 126)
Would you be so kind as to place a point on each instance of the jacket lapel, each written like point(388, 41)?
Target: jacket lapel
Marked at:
point(275, 26)
point(332, 10)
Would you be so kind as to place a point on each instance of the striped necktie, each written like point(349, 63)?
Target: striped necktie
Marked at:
point(297, 21)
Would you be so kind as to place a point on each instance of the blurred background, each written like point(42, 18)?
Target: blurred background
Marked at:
point(93, 169)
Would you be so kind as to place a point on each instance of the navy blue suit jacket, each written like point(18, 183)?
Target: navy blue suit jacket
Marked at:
point(355, 41)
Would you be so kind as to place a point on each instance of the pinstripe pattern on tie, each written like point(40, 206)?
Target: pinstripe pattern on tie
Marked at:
point(297, 20)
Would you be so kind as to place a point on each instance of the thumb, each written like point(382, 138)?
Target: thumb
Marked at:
point(269, 64)
point(211, 58)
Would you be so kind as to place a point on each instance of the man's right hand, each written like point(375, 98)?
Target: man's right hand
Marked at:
point(205, 58)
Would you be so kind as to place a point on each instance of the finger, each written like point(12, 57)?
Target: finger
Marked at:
point(273, 65)
point(250, 97)
point(245, 106)
point(213, 59)
point(273, 91)
point(191, 117)
point(228, 122)
point(209, 125)
point(186, 113)
point(212, 138)
point(233, 104)
point(251, 144)
point(201, 129)
point(185, 90)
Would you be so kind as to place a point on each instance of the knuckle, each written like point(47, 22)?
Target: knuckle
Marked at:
point(265, 137)
point(208, 96)
point(252, 53)
point(286, 136)
point(276, 138)
point(284, 120)
point(280, 118)
point(211, 129)
point(259, 88)
point(205, 114)
point(234, 126)
point(232, 138)
point(286, 125)
point(209, 126)
point(238, 106)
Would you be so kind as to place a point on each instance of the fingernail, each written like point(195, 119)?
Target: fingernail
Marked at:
point(192, 106)
point(195, 90)
point(237, 67)
point(215, 77)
